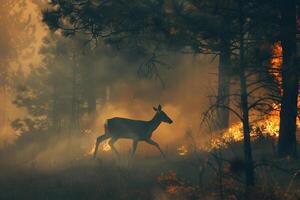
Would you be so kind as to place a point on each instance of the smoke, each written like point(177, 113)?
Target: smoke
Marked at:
point(20, 41)
point(183, 98)
point(182, 91)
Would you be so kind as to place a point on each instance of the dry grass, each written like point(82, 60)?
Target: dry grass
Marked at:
point(195, 176)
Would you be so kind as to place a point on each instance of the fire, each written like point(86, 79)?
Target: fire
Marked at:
point(233, 134)
point(104, 147)
point(172, 189)
point(182, 150)
point(176, 187)
point(266, 127)
point(276, 63)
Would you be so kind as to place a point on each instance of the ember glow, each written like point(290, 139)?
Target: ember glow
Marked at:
point(104, 147)
point(182, 150)
point(276, 63)
point(176, 187)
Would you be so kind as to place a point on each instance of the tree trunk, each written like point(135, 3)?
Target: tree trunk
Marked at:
point(244, 105)
point(74, 102)
point(91, 95)
point(287, 144)
point(246, 127)
point(55, 112)
point(4, 118)
point(222, 121)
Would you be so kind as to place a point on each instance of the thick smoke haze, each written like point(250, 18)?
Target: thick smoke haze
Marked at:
point(182, 91)
point(183, 97)
point(20, 40)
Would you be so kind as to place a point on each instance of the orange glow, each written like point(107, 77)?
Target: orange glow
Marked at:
point(266, 127)
point(172, 189)
point(182, 150)
point(104, 147)
point(276, 63)
point(177, 187)
point(91, 151)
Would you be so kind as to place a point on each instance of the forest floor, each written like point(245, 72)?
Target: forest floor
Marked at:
point(194, 176)
point(92, 179)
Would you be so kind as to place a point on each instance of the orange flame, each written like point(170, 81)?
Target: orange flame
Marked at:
point(269, 125)
point(276, 63)
point(182, 150)
point(104, 147)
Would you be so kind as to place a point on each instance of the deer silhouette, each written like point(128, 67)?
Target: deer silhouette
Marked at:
point(137, 130)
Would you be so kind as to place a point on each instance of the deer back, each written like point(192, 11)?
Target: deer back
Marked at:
point(128, 128)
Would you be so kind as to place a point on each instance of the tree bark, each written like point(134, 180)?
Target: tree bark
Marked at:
point(4, 121)
point(249, 171)
point(74, 99)
point(91, 95)
point(55, 114)
point(287, 144)
point(222, 121)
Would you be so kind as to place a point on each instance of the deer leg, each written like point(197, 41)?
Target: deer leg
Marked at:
point(149, 141)
point(134, 145)
point(98, 141)
point(111, 144)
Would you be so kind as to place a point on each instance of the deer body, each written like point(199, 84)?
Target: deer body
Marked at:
point(137, 130)
point(131, 129)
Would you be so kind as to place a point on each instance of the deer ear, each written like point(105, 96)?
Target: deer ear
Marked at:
point(155, 109)
point(159, 107)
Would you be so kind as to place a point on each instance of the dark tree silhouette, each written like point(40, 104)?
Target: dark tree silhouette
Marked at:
point(290, 79)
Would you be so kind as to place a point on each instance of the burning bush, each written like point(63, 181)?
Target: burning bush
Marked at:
point(176, 187)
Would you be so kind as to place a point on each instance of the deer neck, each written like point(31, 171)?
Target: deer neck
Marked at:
point(154, 123)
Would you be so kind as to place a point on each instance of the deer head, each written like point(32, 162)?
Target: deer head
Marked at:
point(161, 115)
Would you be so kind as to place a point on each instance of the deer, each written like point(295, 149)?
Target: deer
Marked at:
point(136, 130)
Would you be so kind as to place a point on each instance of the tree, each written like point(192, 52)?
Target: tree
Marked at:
point(183, 26)
point(134, 24)
point(14, 38)
point(45, 92)
point(287, 144)
point(250, 71)
point(244, 98)
point(171, 27)
point(63, 90)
